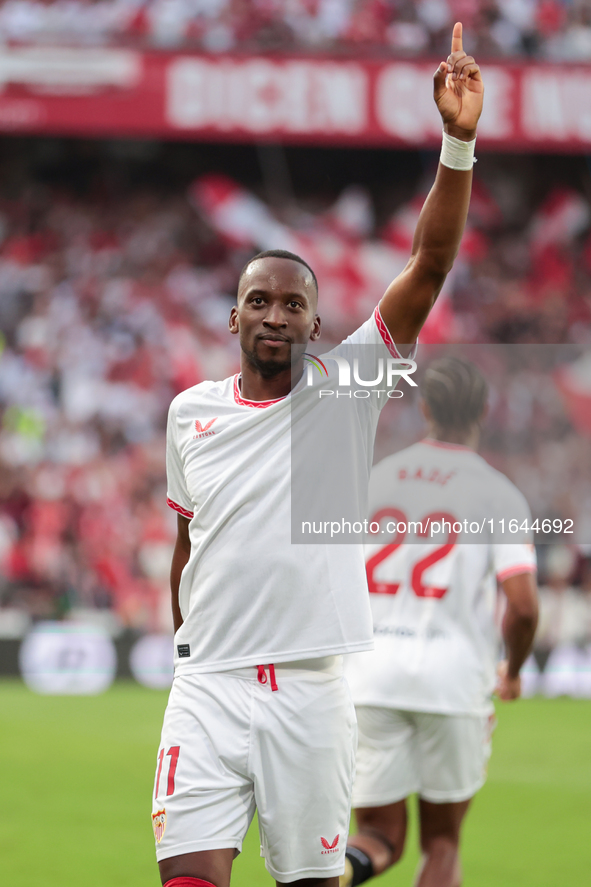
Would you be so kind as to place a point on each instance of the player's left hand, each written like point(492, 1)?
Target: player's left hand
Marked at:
point(507, 688)
point(458, 90)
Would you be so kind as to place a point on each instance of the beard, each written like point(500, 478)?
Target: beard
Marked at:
point(268, 368)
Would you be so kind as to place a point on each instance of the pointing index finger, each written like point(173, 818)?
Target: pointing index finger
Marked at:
point(456, 39)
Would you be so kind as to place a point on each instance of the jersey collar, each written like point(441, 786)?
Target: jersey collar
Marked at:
point(446, 445)
point(257, 404)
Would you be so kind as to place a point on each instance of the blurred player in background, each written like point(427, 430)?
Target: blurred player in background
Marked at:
point(423, 696)
point(259, 713)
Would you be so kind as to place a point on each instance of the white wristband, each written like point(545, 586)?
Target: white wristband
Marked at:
point(457, 154)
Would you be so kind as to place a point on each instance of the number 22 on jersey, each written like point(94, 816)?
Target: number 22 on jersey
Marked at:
point(437, 554)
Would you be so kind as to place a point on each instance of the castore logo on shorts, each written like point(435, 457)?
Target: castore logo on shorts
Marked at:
point(203, 430)
point(330, 848)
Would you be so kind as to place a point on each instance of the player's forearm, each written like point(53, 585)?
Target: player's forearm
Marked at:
point(519, 628)
point(441, 224)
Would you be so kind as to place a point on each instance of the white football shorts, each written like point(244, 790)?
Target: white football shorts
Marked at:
point(230, 744)
point(441, 757)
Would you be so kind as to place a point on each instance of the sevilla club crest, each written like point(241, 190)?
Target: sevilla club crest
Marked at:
point(159, 824)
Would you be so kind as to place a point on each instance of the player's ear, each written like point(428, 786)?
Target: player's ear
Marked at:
point(425, 410)
point(315, 334)
point(233, 324)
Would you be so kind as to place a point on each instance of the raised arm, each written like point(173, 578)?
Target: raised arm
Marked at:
point(519, 628)
point(181, 554)
point(458, 92)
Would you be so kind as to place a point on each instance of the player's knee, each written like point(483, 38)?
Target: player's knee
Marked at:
point(389, 832)
point(392, 841)
point(370, 852)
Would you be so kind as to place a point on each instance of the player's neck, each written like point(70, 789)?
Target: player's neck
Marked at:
point(254, 386)
point(470, 439)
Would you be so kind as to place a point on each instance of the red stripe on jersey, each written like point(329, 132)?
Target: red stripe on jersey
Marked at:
point(517, 570)
point(385, 334)
point(257, 404)
point(179, 508)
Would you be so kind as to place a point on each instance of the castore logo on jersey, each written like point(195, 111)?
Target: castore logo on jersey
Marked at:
point(330, 848)
point(203, 430)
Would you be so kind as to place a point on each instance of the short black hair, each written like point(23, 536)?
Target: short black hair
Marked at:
point(455, 392)
point(278, 254)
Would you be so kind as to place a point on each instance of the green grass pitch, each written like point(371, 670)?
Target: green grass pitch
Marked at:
point(77, 774)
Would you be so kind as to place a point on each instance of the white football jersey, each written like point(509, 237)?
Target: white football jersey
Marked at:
point(247, 594)
point(434, 602)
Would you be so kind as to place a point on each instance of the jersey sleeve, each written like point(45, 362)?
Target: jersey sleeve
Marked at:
point(373, 332)
point(177, 495)
point(369, 349)
point(512, 560)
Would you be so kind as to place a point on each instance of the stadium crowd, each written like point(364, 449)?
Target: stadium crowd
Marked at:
point(113, 299)
point(557, 30)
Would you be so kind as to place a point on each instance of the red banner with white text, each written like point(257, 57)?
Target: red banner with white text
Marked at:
point(121, 92)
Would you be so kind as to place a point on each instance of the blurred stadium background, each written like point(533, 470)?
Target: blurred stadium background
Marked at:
point(149, 148)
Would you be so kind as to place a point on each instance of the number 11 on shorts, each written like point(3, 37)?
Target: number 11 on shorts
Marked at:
point(173, 752)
